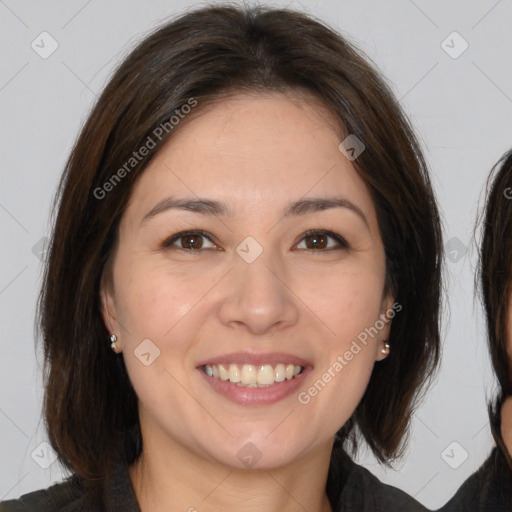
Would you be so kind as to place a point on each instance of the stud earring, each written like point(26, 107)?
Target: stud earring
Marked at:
point(386, 348)
point(113, 339)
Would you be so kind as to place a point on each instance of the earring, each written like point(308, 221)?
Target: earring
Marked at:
point(113, 339)
point(386, 348)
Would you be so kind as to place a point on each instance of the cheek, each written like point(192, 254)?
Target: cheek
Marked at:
point(155, 313)
point(350, 304)
point(151, 300)
point(160, 312)
point(332, 396)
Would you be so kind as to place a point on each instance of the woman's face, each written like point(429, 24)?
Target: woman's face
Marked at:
point(257, 298)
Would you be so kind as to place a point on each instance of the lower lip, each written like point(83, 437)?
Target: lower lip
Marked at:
point(255, 396)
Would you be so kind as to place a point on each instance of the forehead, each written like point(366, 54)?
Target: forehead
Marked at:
point(254, 151)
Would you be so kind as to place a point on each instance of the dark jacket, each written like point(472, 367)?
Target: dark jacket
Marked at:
point(350, 488)
point(489, 489)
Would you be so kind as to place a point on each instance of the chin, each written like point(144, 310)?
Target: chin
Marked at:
point(259, 452)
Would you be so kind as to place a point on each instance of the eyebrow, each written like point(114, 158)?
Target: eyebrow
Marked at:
point(205, 206)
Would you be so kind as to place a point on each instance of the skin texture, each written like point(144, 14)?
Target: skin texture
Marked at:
point(506, 424)
point(506, 408)
point(256, 153)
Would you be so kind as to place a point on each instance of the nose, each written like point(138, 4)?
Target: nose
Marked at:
point(258, 298)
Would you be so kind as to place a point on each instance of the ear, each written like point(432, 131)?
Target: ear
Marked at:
point(108, 309)
point(388, 310)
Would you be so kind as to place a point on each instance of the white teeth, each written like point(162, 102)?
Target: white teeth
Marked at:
point(249, 374)
point(266, 375)
point(223, 372)
point(280, 373)
point(253, 376)
point(234, 373)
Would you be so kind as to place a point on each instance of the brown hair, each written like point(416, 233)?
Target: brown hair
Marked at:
point(90, 405)
point(495, 273)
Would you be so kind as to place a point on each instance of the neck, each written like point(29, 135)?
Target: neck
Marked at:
point(175, 479)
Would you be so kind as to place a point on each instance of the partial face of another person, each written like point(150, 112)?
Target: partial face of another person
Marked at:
point(509, 327)
point(252, 282)
point(509, 341)
point(506, 408)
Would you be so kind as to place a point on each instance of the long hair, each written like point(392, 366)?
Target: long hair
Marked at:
point(90, 406)
point(495, 276)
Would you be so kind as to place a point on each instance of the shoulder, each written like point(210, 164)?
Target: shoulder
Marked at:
point(362, 491)
point(369, 493)
point(69, 496)
point(62, 497)
point(487, 489)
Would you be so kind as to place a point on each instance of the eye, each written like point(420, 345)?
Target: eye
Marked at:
point(190, 241)
point(319, 239)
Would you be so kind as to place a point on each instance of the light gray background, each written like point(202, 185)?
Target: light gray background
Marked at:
point(461, 107)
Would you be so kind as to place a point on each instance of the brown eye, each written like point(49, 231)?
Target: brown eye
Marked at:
point(318, 241)
point(189, 241)
point(321, 240)
point(192, 242)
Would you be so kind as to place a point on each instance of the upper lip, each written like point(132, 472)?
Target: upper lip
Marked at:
point(256, 359)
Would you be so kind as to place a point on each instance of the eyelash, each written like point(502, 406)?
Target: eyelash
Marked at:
point(168, 243)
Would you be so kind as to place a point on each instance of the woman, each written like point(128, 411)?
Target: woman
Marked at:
point(490, 488)
point(244, 276)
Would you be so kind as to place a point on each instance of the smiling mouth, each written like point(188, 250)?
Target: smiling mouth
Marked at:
point(253, 376)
